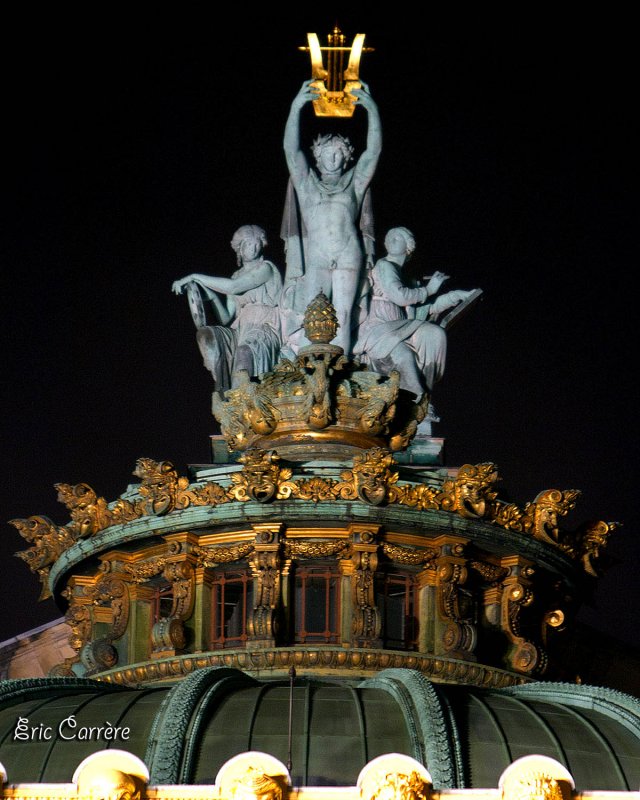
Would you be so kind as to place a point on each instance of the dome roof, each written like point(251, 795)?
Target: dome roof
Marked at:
point(465, 737)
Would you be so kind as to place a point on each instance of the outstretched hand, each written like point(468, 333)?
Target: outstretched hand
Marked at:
point(180, 285)
point(437, 279)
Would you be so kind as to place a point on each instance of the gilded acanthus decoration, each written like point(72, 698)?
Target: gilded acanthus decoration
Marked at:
point(140, 573)
point(312, 548)
point(405, 555)
point(372, 480)
point(490, 572)
point(49, 542)
point(212, 556)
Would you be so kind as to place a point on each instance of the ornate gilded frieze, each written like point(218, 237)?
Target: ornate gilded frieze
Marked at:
point(371, 480)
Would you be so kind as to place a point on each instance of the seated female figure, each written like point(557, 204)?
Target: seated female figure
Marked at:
point(248, 336)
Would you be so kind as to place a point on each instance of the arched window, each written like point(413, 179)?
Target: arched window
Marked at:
point(397, 602)
point(317, 603)
point(232, 598)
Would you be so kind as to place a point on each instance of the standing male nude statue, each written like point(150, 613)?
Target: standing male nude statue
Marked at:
point(331, 202)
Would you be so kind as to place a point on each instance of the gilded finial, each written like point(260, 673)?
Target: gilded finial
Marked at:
point(320, 321)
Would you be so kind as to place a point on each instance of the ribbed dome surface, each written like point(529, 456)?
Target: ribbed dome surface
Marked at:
point(465, 737)
point(46, 703)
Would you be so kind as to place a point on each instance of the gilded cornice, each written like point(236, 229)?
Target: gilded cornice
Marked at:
point(330, 660)
point(371, 480)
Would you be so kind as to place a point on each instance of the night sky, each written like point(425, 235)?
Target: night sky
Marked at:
point(136, 150)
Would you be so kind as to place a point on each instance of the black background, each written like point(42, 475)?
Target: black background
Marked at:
point(137, 147)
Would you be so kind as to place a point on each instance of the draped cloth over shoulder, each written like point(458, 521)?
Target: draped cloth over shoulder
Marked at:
point(256, 327)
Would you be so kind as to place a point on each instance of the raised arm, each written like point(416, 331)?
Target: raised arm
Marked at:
point(238, 285)
point(368, 161)
point(394, 289)
point(296, 161)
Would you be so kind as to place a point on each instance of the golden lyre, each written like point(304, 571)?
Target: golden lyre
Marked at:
point(335, 83)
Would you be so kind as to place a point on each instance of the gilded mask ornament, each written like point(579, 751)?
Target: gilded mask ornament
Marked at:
point(372, 476)
point(471, 493)
point(260, 476)
point(542, 515)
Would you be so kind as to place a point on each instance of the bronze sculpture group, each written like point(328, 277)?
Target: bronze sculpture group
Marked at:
point(328, 237)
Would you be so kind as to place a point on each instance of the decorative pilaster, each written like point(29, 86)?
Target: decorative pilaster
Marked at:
point(266, 563)
point(456, 634)
point(365, 616)
point(168, 634)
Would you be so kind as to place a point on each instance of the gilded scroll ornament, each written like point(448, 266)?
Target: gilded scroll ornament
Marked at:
point(524, 656)
point(266, 569)
point(456, 607)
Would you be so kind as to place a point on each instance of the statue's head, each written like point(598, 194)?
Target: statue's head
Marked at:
point(248, 242)
point(332, 152)
point(400, 238)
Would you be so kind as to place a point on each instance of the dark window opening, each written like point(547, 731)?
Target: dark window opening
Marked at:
point(232, 603)
point(317, 604)
point(397, 604)
point(162, 603)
